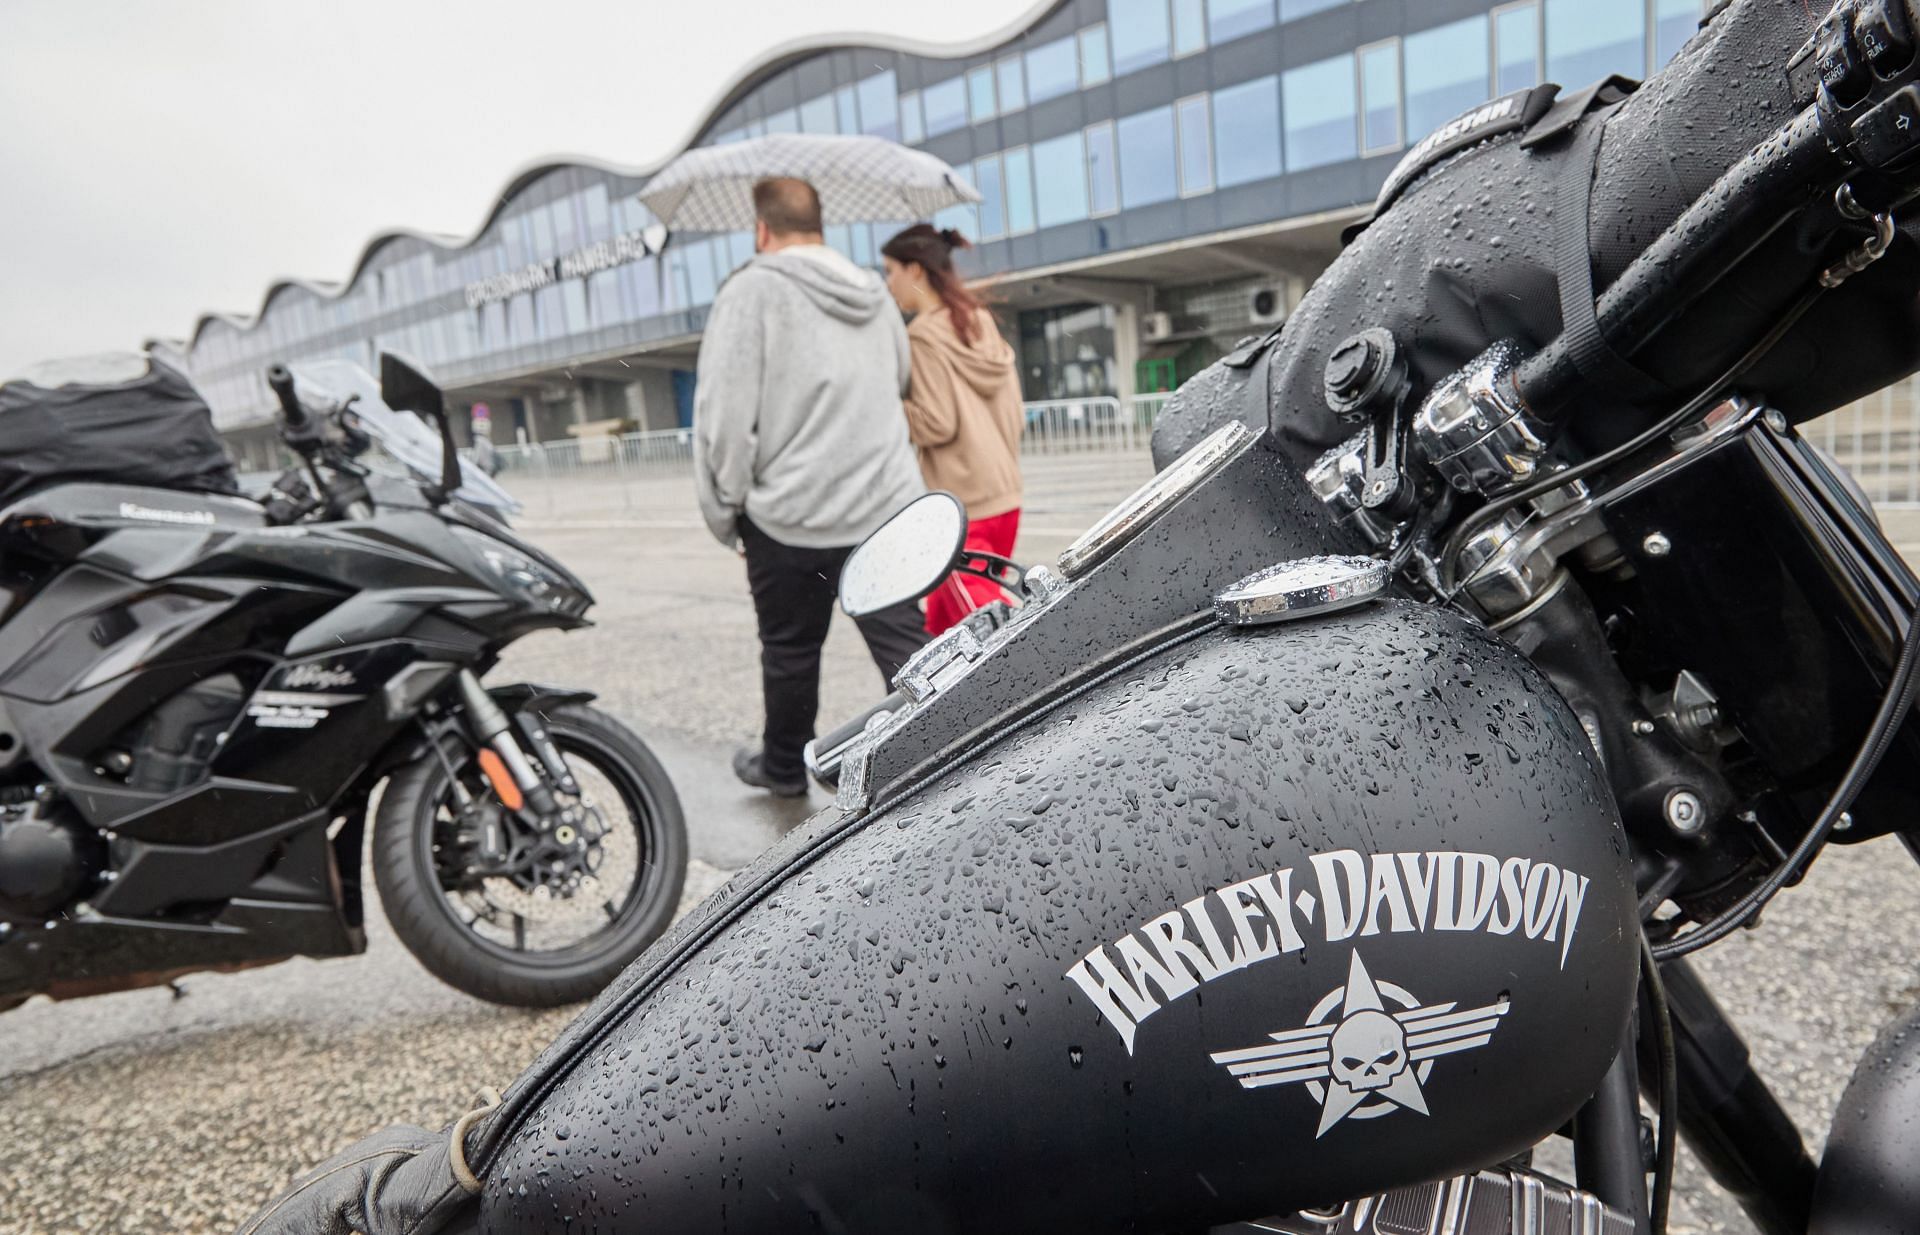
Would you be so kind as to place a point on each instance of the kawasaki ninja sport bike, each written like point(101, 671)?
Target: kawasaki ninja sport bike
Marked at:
point(200, 695)
point(1330, 827)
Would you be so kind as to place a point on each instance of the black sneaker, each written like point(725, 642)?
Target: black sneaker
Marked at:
point(749, 764)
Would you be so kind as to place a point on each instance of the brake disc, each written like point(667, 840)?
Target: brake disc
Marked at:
point(610, 861)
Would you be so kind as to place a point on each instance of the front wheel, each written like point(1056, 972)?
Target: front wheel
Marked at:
point(576, 903)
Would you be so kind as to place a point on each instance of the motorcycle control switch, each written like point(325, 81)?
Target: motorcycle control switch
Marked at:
point(1885, 36)
point(1890, 133)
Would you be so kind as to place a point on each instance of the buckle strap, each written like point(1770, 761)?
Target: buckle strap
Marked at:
point(486, 1100)
point(1592, 354)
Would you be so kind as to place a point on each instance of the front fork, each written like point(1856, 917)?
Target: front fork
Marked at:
point(495, 732)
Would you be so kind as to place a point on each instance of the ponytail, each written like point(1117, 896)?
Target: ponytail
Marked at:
point(932, 250)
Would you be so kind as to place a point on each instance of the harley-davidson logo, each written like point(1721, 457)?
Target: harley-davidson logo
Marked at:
point(1334, 896)
point(1358, 1058)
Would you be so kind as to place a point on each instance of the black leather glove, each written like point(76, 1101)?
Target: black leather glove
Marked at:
point(399, 1181)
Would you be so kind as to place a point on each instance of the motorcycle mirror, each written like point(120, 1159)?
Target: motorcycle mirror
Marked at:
point(906, 557)
point(404, 387)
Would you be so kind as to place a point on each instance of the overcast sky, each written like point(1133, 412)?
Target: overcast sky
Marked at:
point(158, 160)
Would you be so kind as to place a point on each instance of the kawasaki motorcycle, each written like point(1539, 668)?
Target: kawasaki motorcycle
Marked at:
point(1331, 826)
point(201, 694)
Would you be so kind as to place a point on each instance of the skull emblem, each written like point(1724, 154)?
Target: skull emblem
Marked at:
point(1369, 1050)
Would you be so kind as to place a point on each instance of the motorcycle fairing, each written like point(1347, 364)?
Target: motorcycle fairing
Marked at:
point(1054, 967)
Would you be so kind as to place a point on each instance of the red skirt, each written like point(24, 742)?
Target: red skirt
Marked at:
point(959, 595)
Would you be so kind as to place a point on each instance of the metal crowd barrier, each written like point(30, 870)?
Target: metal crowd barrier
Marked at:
point(1877, 439)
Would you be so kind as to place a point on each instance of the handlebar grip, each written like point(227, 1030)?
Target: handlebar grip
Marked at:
point(280, 381)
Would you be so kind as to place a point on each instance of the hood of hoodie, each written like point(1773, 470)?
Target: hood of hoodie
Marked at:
point(986, 365)
point(840, 288)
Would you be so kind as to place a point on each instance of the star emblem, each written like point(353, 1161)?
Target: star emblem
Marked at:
point(1357, 1057)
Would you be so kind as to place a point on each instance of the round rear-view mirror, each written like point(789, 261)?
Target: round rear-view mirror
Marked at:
point(906, 557)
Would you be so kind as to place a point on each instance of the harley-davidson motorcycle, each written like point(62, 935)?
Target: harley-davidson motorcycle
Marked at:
point(200, 695)
point(1330, 828)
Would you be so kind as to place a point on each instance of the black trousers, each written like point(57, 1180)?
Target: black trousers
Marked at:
point(794, 593)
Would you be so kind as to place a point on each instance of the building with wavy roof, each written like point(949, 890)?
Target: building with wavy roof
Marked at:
point(1158, 178)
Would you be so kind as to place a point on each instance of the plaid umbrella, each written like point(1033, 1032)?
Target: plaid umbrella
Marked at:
point(859, 179)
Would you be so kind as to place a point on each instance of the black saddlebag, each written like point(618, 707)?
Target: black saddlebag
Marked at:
point(130, 421)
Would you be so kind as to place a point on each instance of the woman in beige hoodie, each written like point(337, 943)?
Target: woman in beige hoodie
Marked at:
point(963, 406)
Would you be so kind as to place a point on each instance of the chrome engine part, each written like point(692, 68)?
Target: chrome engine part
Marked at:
point(1500, 1201)
point(1474, 430)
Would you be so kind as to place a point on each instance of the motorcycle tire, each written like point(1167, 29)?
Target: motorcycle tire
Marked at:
point(422, 915)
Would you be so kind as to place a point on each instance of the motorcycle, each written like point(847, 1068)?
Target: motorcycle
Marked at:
point(1330, 827)
point(201, 695)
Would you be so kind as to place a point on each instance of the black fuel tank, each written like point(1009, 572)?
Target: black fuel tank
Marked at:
point(1265, 920)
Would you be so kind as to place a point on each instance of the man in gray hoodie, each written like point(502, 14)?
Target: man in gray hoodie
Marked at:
point(800, 450)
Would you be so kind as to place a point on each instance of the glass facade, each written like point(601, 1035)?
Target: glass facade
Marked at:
point(1447, 70)
point(1246, 131)
point(1140, 34)
point(1230, 19)
point(1175, 116)
point(1060, 176)
point(1380, 97)
point(1317, 101)
point(1147, 166)
point(1586, 41)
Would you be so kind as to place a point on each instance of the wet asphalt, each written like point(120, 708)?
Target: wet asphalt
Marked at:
point(181, 1110)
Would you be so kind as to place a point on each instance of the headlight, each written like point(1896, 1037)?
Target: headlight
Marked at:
point(525, 575)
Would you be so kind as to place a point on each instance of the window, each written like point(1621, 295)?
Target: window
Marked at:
point(1229, 19)
point(1196, 146)
point(787, 121)
point(1019, 186)
point(575, 301)
point(1140, 36)
point(993, 198)
point(1290, 9)
point(861, 249)
point(1147, 167)
point(880, 106)
point(1317, 103)
point(963, 219)
point(911, 130)
point(1189, 27)
point(846, 110)
point(1094, 66)
point(1588, 39)
point(1052, 70)
point(1013, 90)
point(1516, 47)
point(1380, 97)
point(1103, 187)
point(946, 106)
point(1060, 175)
point(1674, 22)
point(701, 282)
point(980, 93)
point(1446, 74)
point(816, 116)
point(1246, 131)
point(739, 250)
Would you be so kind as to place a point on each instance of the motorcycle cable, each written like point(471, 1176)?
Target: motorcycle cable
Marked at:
point(1894, 707)
point(1450, 556)
point(1668, 1104)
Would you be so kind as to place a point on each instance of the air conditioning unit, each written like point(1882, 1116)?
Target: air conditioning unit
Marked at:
point(1156, 327)
point(1266, 306)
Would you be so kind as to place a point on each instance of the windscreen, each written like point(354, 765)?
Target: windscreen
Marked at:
point(405, 437)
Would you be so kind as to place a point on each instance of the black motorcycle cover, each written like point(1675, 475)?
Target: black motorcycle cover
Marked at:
point(1465, 249)
point(135, 421)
